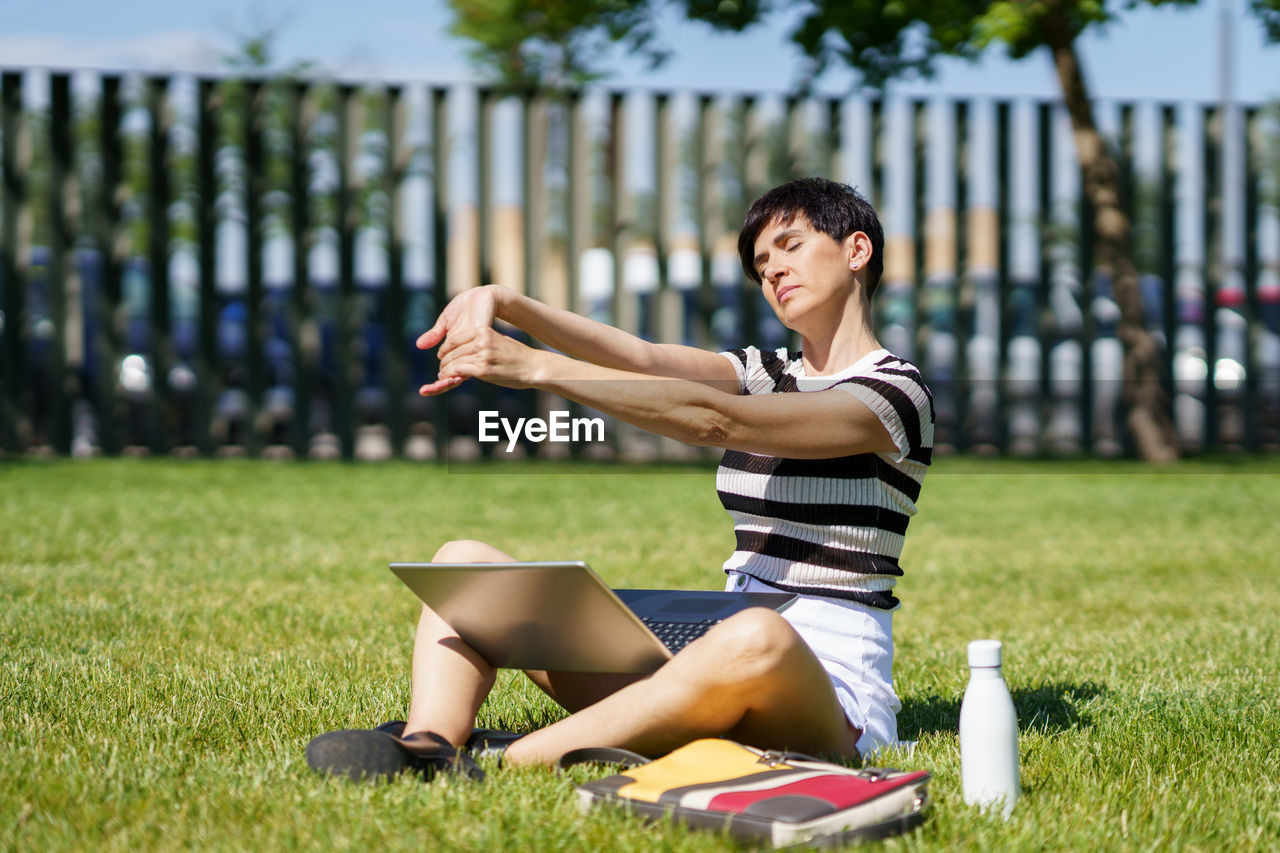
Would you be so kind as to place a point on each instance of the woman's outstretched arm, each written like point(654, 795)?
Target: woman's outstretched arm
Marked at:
point(576, 336)
point(814, 425)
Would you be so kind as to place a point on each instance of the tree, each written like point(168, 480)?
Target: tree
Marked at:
point(550, 43)
point(884, 40)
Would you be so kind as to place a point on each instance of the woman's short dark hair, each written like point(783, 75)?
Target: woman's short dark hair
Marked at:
point(835, 209)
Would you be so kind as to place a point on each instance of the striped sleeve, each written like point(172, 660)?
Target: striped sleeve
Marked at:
point(758, 372)
point(896, 393)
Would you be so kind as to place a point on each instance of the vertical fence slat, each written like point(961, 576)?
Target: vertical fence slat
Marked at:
point(751, 297)
point(394, 169)
point(347, 219)
point(206, 218)
point(1190, 365)
point(1230, 323)
point(982, 273)
point(12, 264)
point(1046, 237)
point(109, 240)
point(254, 190)
point(704, 140)
point(532, 192)
point(729, 320)
point(487, 102)
point(506, 229)
point(618, 216)
point(578, 198)
point(662, 165)
point(437, 110)
point(461, 154)
point(1210, 216)
point(1252, 404)
point(897, 286)
point(855, 143)
point(641, 273)
point(617, 234)
point(416, 239)
point(1267, 341)
point(301, 107)
point(940, 257)
point(1022, 358)
point(533, 127)
point(1168, 265)
point(666, 214)
point(61, 272)
point(1067, 383)
point(682, 238)
point(160, 422)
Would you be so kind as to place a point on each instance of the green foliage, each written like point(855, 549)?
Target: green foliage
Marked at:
point(536, 41)
point(733, 15)
point(173, 633)
point(1268, 12)
point(550, 43)
point(888, 40)
point(884, 40)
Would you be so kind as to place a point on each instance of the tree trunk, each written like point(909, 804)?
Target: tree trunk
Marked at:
point(1144, 394)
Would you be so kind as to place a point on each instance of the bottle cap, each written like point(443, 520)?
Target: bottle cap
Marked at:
point(984, 653)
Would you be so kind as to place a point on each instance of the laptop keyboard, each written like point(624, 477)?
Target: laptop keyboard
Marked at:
point(677, 635)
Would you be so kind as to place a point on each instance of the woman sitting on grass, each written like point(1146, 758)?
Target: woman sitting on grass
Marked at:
point(820, 485)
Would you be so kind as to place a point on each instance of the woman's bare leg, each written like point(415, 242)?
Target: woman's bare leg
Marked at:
point(574, 691)
point(751, 677)
point(450, 680)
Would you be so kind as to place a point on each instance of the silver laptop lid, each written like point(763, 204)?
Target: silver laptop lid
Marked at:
point(544, 615)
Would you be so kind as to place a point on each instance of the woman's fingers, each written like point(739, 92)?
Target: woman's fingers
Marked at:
point(447, 320)
point(484, 353)
point(472, 308)
point(479, 352)
point(432, 336)
point(440, 386)
point(456, 339)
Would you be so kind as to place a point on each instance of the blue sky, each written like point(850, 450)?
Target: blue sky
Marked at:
point(1166, 54)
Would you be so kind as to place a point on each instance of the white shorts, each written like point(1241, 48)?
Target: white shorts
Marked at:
point(854, 644)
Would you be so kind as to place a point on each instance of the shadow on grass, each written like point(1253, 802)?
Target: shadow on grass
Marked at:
point(1047, 709)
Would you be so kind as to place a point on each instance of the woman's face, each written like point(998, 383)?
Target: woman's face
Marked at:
point(804, 272)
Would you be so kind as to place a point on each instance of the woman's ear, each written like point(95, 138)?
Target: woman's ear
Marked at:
point(858, 250)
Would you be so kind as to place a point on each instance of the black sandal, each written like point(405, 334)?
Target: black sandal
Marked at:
point(483, 743)
point(373, 755)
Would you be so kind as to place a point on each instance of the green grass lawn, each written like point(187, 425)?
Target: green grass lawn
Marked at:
point(173, 633)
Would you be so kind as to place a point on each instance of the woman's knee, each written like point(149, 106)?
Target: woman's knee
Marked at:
point(457, 551)
point(753, 641)
point(469, 551)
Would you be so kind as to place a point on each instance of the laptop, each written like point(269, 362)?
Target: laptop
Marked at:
point(561, 616)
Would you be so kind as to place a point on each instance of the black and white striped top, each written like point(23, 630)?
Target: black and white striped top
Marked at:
point(830, 526)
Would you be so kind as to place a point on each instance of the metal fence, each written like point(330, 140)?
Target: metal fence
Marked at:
point(241, 266)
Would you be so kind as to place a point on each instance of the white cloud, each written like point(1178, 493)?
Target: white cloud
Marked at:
point(177, 50)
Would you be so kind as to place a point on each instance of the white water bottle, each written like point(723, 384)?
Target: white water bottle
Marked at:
point(988, 733)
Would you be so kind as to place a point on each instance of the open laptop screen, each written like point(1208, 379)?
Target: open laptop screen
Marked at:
point(561, 616)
